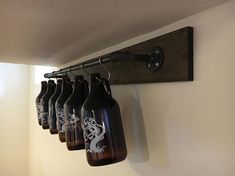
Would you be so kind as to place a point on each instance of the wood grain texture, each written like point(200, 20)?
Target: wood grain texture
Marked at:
point(177, 47)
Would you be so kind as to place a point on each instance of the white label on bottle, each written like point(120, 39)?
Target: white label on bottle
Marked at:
point(93, 133)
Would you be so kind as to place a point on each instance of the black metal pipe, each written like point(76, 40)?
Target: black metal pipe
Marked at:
point(153, 61)
point(115, 57)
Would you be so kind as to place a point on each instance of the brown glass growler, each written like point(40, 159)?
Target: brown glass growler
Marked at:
point(42, 92)
point(102, 125)
point(52, 113)
point(59, 107)
point(44, 111)
point(72, 107)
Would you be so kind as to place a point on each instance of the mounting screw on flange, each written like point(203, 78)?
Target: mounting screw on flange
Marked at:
point(156, 59)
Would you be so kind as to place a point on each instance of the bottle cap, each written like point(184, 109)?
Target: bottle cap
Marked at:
point(43, 82)
point(51, 82)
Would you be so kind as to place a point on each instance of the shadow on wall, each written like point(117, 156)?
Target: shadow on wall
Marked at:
point(135, 132)
point(144, 154)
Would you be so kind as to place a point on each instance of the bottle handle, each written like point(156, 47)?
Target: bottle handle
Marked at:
point(106, 86)
point(86, 89)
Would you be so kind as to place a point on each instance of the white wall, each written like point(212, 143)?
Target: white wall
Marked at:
point(172, 129)
point(14, 117)
point(39, 140)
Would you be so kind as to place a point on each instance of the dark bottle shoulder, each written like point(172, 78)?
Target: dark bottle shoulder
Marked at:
point(46, 96)
point(63, 97)
point(61, 100)
point(95, 103)
point(37, 99)
point(74, 101)
point(55, 96)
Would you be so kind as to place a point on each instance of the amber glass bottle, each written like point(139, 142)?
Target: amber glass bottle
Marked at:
point(44, 111)
point(74, 132)
point(102, 125)
point(59, 107)
point(52, 113)
point(42, 92)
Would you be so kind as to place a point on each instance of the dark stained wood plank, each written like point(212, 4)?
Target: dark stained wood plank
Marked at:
point(177, 47)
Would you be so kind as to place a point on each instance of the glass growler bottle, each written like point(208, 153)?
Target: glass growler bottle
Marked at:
point(52, 113)
point(102, 125)
point(72, 107)
point(59, 107)
point(42, 92)
point(44, 104)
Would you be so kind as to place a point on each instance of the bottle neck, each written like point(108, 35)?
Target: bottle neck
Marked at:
point(50, 87)
point(66, 88)
point(58, 87)
point(76, 85)
point(80, 89)
point(43, 88)
point(56, 93)
point(96, 88)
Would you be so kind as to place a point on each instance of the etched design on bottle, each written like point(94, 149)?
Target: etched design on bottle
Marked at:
point(43, 114)
point(38, 109)
point(60, 122)
point(93, 133)
point(73, 118)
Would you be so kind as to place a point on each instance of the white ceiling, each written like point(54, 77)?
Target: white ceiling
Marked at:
point(54, 32)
